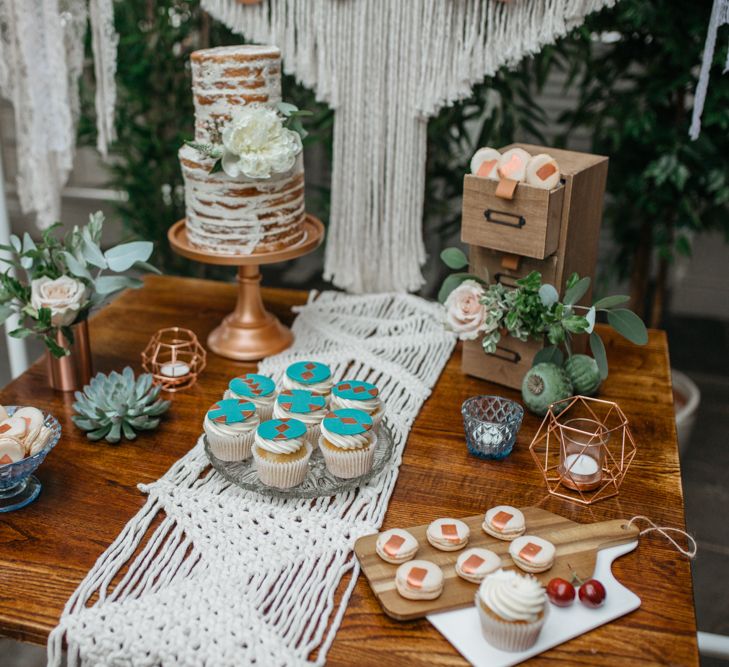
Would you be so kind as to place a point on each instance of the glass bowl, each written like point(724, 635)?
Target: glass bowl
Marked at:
point(18, 486)
point(491, 424)
point(319, 482)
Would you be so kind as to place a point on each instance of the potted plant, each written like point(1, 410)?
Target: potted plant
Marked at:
point(535, 310)
point(54, 284)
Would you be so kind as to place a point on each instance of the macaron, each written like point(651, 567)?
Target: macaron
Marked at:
point(13, 427)
point(448, 534)
point(396, 546)
point(513, 163)
point(34, 419)
point(11, 450)
point(543, 172)
point(532, 554)
point(3, 413)
point(419, 580)
point(484, 163)
point(474, 564)
point(504, 522)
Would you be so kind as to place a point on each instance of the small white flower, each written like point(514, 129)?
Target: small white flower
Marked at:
point(65, 296)
point(465, 314)
point(257, 144)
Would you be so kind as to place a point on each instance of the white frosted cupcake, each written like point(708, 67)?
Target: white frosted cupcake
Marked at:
point(281, 452)
point(258, 389)
point(358, 395)
point(512, 608)
point(230, 426)
point(310, 375)
point(303, 405)
point(348, 443)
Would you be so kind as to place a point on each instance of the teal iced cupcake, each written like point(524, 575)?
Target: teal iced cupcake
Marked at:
point(303, 405)
point(258, 389)
point(348, 443)
point(281, 451)
point(311, 375)
point(230, 426)
point(358, 395)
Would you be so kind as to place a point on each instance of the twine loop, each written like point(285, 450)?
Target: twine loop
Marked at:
point(665, 530)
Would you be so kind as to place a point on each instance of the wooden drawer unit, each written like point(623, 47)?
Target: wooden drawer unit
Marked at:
point(498, 267)
point(527, 225)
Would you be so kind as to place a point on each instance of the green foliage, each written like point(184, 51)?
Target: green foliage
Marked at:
point(76, 255)
point(116, 405)
point(635, 99)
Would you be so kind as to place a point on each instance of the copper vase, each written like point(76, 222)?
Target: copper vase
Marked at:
point(72, 372)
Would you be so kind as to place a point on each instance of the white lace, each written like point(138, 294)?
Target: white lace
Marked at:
point(231, 577)
point(386, 66)
point(41, 57)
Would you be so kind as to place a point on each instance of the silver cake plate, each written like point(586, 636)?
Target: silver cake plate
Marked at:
point(319, 481)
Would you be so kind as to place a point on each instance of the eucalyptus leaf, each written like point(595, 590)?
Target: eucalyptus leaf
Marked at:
point(16, 243)
point(598, 352)
point(28, 243)
point(92, 253)
point(576, 291)
point(286, 109)
point(75, 267)
point(611, 301)
point(147, 267)
point(454, 258)
point(123, 257)
point(111, 284)
point(6, 310)
point(550, 354)
point(628, 325)
point(548, 295)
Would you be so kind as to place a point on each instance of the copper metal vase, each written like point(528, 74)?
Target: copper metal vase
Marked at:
point(72, 372)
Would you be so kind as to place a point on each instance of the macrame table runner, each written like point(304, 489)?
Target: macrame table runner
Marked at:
point(229, 577)
point(386, 66)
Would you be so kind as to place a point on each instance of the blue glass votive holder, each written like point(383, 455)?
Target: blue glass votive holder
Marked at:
point(491, 424)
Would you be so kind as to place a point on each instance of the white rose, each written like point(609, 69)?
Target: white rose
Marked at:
point(65, 297)
point(465, 314)
point(257, 144)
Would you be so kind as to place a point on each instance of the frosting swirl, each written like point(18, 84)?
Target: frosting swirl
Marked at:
point(258, 401)
point(282, 446)
point(513, 597)
point(369, 405)
point(236, 428)
point(311, 418)
point(357, 441)
point(322, 388)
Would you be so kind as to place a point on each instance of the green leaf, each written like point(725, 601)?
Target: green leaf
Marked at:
point(454, 258)
point(628, 325)
point(598, 351)
point(611, 301)
point(146, 266)
point(111, 284)
point(75, 267)
point(55, 349)
point(28, 243)
point(453, 281)
point(548, 295)
point(572, 281)
point(68, 334)
point(123, 257)
point(21, 332)
point(286, 108)
point(217, 166)
point(576, 291)
point(91, 251)
point(550, 354)
point(213, 151)
point(16, 243)
point(575, 324)
point(6, 310)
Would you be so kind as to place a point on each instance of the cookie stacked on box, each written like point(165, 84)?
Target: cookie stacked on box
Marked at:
point(280, 427)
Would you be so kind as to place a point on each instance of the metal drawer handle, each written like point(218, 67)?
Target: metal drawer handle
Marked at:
point(505, 218)
point(505, 354)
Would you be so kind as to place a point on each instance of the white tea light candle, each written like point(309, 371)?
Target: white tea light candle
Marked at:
point(581, 464)
point(174, 369)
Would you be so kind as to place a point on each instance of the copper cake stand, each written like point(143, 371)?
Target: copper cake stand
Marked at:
point(250, 332)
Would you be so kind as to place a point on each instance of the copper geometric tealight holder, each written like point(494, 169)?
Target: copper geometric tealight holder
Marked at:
point(583, 449)
point(174, 358)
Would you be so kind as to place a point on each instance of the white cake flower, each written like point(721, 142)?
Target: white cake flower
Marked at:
point(256, 144)
point(65, 296)
point(465, 314)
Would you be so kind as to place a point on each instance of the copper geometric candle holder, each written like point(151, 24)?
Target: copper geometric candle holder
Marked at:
point(584, 449)
point(174, 358)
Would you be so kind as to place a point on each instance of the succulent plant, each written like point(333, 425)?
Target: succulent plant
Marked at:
point(116, 405)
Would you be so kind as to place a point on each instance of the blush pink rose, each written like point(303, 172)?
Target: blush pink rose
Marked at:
point(465, 314)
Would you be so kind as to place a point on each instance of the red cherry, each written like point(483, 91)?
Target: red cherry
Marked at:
point(560, 592)
point(592, 593)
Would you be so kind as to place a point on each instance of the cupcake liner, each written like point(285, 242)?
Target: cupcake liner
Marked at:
point(265, 412)
point(231, 447)
point(348, 463)
point(283, 474)
point(508, 636)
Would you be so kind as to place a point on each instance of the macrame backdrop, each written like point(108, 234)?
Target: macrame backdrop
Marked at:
point(387, 66)
point(209, 574)
point(719, 17)
point(41, 57)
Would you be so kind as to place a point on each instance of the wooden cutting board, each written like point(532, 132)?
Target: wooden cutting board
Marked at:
point(576, 545)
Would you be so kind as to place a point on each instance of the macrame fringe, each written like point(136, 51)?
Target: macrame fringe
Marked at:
point(386, 67)
point(216, 575)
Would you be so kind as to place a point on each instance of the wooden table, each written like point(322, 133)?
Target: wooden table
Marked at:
point(89, 490)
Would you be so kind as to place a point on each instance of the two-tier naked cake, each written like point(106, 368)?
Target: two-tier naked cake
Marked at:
point(240, 214)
